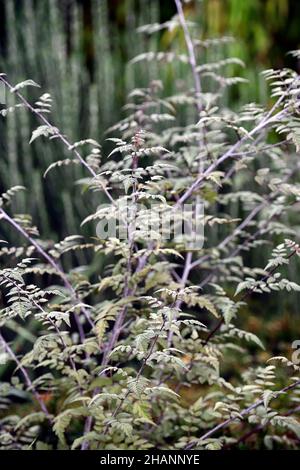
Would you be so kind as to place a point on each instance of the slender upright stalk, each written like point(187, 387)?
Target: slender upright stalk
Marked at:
point(28, 381)
point(53, 263)
point(192, 55)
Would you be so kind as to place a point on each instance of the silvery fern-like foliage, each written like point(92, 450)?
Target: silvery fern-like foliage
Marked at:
point(107, 356)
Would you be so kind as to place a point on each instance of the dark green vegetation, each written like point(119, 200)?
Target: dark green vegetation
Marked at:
point(79, 51)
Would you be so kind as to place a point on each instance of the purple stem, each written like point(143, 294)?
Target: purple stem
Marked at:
point(26, 377)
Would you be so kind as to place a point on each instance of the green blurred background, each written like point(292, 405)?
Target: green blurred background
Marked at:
point(78, 50)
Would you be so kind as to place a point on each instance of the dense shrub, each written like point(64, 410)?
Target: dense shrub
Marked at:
point(152, 354)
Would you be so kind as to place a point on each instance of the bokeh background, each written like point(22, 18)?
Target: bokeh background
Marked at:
point(78, 50)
